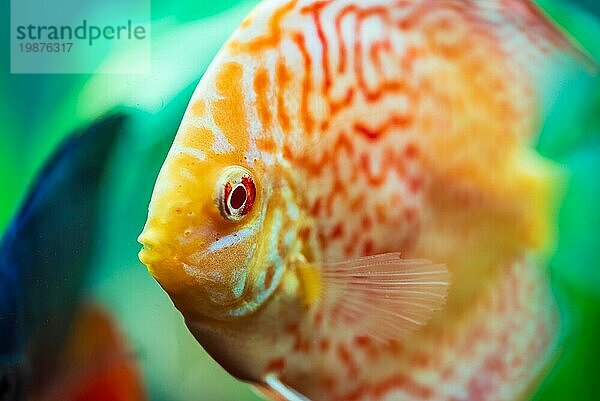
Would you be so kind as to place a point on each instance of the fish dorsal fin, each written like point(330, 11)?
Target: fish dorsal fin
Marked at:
point(383, 296)
point(536, 29)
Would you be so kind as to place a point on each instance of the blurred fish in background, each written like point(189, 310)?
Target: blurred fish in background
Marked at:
point(40, 110)
point(52, 346)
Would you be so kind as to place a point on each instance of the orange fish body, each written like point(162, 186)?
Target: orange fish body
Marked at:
point(328, 131)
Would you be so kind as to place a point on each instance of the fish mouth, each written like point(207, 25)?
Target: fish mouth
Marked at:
point(153, 253)
point(148, 256)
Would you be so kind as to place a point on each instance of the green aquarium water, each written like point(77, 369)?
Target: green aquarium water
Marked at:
point(37, 111)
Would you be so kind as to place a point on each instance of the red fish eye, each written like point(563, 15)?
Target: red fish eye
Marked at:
point(237, 195)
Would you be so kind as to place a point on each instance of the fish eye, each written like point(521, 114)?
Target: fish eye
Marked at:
point(236, 193)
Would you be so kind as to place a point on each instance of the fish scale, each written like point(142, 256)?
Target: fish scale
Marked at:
point(374, 127)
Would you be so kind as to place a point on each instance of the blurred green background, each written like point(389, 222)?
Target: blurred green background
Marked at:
point(37, 111)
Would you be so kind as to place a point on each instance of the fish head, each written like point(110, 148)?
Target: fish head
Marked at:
point(202, 241)
point(213, 235)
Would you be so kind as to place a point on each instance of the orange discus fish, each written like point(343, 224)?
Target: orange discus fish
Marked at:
point(351, 208)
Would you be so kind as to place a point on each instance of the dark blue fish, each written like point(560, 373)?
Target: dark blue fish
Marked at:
point(44, 257)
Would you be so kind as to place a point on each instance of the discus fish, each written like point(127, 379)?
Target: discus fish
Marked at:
point(351, 209)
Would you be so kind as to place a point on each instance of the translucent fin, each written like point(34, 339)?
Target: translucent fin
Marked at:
point(281, 389)
point(383, 296)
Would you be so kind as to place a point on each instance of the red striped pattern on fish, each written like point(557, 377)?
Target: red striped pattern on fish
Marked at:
point(369, 128)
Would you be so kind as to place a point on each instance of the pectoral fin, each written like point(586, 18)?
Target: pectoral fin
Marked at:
point(384, 296)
